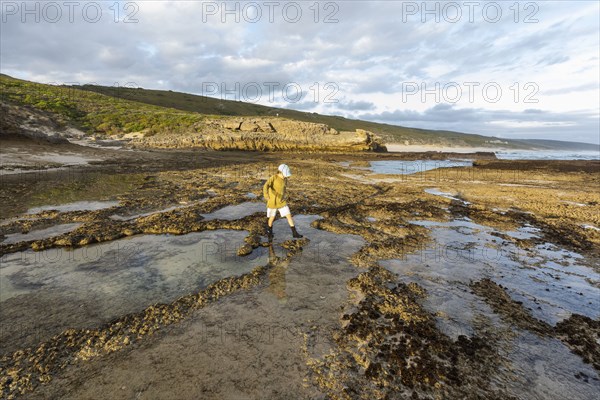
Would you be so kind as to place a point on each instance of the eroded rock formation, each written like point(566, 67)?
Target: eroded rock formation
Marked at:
point(265, 134)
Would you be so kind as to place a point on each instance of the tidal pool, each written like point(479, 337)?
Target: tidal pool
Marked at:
point(76, 206)
point(55, 289)
point(397, 167)
point(552, 283)
point(237, 211)
point(43, 293)
point(40, 233)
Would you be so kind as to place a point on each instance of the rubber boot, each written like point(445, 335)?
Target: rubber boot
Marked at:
point(295, 233)
point(270, 233)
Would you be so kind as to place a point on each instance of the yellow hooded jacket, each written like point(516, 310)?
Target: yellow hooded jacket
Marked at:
point(274, 192)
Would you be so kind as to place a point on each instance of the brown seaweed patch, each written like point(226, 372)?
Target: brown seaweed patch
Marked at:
point(390, 347)
point(391, 237)
point(512, 311)
point(580, 333)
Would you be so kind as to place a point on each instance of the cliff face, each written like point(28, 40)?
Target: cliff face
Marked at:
point(264, 134)
point(29, 123)
point(210, 132)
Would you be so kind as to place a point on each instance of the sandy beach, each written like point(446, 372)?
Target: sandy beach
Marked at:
point(147, 275)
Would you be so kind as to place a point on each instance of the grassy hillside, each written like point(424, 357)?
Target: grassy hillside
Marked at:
point(96, 113)
point(104, 110)
point(213, 106)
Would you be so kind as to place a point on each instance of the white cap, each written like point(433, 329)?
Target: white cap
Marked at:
point(285, 170)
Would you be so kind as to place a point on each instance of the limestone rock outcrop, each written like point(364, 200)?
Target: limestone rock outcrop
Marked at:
point(265, 134)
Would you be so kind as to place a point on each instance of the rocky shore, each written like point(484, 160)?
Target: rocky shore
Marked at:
point(375, 303)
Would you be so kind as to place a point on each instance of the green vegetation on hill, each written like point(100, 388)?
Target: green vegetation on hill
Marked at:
point(104, 111)
point(96, 113)
point(214, 106)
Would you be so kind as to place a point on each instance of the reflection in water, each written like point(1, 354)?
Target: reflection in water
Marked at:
point(75, 206)
point(277, 274)
point(398, 167)
point(549, 282)
point(40, 233)
point(237, 211)
point(55, 289)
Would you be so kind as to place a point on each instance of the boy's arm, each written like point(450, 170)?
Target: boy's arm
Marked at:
point(266, 188)
point(284, 192)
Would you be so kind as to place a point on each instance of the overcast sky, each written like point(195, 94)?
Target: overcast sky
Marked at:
point(524, 70)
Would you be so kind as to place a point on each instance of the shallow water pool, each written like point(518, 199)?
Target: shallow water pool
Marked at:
point(40, 233)
point(398, 167)
point(237, 211)
point(550, 282)
point(76, 206)
point(51, 290)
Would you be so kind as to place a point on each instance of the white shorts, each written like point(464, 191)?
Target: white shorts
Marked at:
point(283, 211)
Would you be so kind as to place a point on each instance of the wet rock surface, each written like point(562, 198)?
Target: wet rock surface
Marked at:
point(359, 330)
point(390, 346)
point(580, 333)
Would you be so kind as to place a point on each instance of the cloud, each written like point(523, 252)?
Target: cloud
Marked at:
point(372, 50)
point(356, 105)
point(530, 123)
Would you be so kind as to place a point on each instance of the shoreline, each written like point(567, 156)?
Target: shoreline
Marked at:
point(370, 259)
point(505, 152)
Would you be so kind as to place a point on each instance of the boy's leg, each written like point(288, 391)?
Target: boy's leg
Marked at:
point(288, 215)
point(290, 220)
point(271, 213)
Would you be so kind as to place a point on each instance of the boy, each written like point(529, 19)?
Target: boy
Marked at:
point(274, 193)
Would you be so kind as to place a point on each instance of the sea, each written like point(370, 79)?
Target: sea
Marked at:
point(547, 155)
point(401, 167)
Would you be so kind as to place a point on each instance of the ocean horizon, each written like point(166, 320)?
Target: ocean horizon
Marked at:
point(547, 155)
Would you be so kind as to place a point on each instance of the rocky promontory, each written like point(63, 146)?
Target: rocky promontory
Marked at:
point(262, 134)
